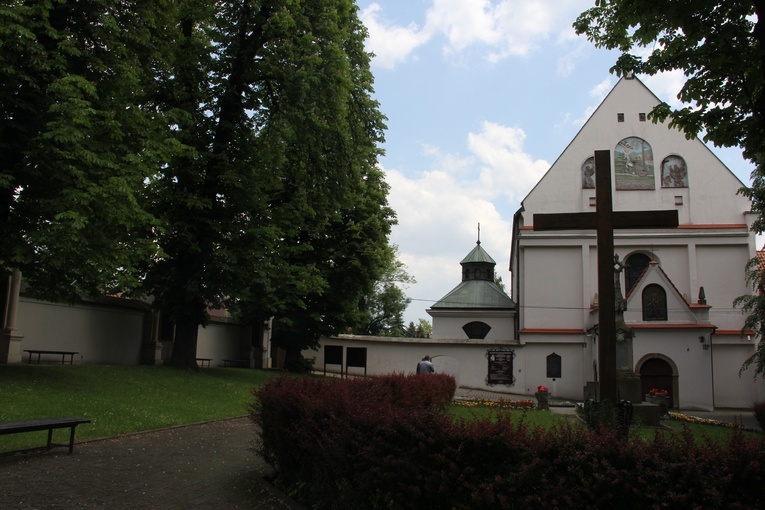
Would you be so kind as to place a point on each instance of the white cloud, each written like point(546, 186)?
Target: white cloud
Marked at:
point(523, 24)
point(507, 171)
point(601, 90)
point(503, 29)
point(598, 93)
point(438, 226)
point(439, 209)
point(666, 86)
point(391, 44)
point(463, 22)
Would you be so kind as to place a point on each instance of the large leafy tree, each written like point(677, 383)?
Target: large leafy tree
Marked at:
point(273, 198)
point(381, 312)
point(77, 140)
point(720, 47)
point(347, 259)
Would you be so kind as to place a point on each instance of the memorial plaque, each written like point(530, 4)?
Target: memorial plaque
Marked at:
point(500, 367)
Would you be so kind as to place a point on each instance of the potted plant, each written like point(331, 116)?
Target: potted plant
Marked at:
point(660, 398)
point(543, 398)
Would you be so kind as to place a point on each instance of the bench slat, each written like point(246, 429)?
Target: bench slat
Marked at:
point(10, 427)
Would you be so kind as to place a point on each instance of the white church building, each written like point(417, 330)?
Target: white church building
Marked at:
point(679, 283)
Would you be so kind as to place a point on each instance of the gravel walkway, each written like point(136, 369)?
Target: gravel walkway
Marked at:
point(206, 466)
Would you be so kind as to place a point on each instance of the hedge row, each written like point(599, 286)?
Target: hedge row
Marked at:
point(386, 443)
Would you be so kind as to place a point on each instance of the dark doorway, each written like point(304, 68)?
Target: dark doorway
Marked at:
point(657, 373)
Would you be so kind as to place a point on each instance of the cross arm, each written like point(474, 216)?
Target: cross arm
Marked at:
point(620, 219)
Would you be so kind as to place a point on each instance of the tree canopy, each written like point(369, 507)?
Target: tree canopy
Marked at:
point(204, 153)
point(275, 199)
point(720, 48)
point(77, 140)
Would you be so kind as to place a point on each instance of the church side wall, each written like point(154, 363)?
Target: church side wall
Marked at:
point(574, 359)
point(721, 273)
point(732, 390)
point(554, 300)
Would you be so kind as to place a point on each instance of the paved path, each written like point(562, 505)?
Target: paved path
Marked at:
point(209, 466)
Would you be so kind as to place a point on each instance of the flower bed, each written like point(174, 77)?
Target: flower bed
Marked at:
point(518, 405)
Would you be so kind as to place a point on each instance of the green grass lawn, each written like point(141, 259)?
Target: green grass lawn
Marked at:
point(532, 418)
point(120, 399)
point(547, 420)
point(124, 399)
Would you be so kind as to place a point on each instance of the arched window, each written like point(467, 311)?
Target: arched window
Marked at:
point(654, 303)
point(476, 330)
point(674, 172)
point(636, 264)
point(633, 164)
point(588, 173)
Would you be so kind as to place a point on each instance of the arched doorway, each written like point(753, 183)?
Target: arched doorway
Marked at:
point(657, 373)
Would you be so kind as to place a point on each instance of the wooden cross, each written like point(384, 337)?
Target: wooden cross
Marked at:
point(605, 220)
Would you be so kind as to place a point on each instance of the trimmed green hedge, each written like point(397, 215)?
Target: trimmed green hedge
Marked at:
point(386, 443)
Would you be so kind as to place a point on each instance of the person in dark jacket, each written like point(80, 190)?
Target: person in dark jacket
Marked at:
point(425, 366)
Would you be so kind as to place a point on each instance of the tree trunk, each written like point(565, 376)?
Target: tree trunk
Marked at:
point(185, 343)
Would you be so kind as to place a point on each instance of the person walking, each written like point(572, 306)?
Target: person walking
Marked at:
point(425, 366)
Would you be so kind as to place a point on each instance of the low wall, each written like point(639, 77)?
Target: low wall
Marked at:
point(465, 360)
point(118, 332)
point(100, 333)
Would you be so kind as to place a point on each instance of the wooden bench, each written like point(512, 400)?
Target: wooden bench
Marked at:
point(204, 362)
point(14, 427)
point(39, 353)
point(235, 363)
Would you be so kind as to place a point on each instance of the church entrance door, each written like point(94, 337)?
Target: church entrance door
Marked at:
point(657, 373)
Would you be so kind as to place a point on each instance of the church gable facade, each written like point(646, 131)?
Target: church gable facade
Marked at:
point(679, 282)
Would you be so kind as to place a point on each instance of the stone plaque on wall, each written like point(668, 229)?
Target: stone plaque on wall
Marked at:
point(500, 367)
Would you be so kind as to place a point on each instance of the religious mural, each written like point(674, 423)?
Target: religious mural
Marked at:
point(633, 164)
point(674, 173)
point(588, 173)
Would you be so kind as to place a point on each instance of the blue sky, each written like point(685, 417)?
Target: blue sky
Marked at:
point(481, 96)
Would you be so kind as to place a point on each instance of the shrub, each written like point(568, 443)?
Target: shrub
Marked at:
point(383, 443)
point(606, 415)
point(759, 414)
